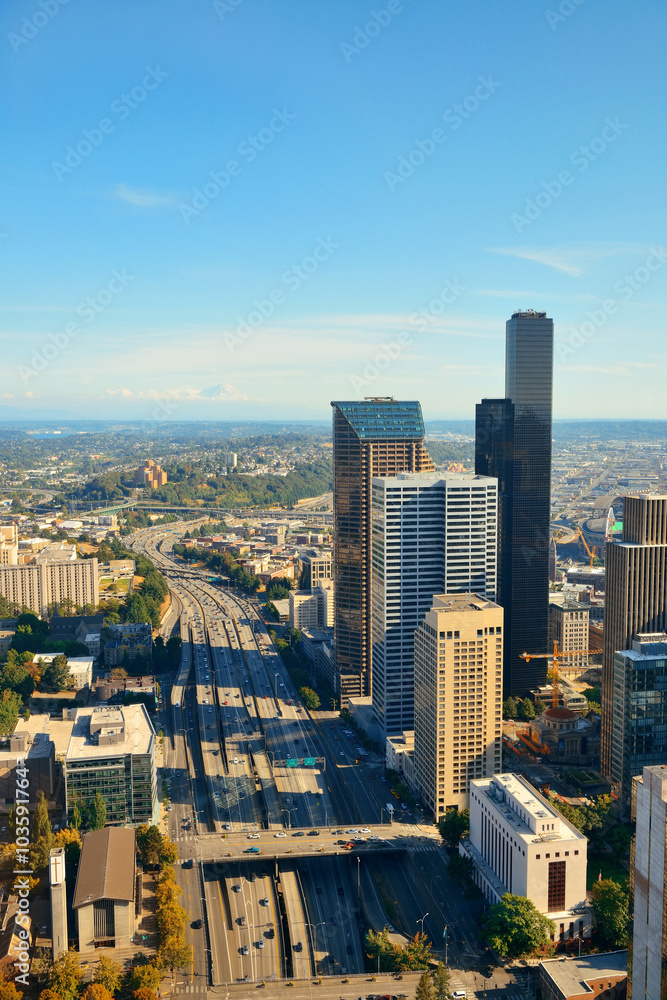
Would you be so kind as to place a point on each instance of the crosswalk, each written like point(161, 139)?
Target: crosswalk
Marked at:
point(479, 993)
point(190, 988)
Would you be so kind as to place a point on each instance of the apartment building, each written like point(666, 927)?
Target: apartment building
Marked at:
point(458, 657)
point(46, 582)
point(9, 545)
point(568, 626)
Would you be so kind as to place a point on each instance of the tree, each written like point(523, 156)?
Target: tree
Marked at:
point(147, 976)
point(144, 994)
point(526, 710)
point(416, 954)
point(16, 677)
point(10, 703)
point(108, 974)
point(149, 844)
point(460, 868)
point(510, 710)
point(514, 927)
point(56, 675)
point(8, 990)
point(65, 976)
point(48, 995)
point(97, 812)
point(41, 824)
point(611, 910)
point(424, 989)
point(453, 826)
point(441, 983)
point(174, 952)
point(70, 839)
point(540, 707)
point(96, 991)
point(310, 698)
point(76, 818)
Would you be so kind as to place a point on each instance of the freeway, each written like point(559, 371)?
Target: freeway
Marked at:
point(251, 768)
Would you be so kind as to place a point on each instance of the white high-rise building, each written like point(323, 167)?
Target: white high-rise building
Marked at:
point(432, 534)
point(42, 583)
point(649, 937)
point(458, 698)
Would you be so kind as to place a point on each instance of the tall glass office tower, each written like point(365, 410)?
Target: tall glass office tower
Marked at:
point(513, 443)
point(377, 437)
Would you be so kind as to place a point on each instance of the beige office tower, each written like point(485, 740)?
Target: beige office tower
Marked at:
point(635, 601)
point(9, 545)
point(647, 972)
point(458, 698)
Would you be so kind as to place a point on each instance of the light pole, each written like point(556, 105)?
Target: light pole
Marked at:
point(313, 939)
point(358, 875)
point(420, 920)
point(445, 934)
point(289, 819)
point(248, 904)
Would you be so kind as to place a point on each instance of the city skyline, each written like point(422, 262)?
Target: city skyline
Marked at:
point(327, 204)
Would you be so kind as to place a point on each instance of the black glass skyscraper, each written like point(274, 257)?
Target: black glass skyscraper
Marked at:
point(513, 443)
point(374, 437)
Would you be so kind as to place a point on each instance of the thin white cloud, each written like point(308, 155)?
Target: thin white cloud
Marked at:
point(570, 259)
point(144, 199)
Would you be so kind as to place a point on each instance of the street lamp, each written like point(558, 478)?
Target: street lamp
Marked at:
point(289, 819)
point(321, 923)
point(420, 920)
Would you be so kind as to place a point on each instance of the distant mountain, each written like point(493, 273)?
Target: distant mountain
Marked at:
point(223, 391)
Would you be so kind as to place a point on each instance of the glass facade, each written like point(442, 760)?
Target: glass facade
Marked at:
point(379, 437)
point(127, 783)
point(640, 713)
point(513, 443)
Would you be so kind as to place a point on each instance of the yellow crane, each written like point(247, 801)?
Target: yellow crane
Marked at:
point(556, 657)
point(592, 553)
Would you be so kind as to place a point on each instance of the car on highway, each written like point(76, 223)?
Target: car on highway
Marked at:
point(341, 753)
point(313, 833)
point(298, 946)
point(252, 850)
point(364, 829)
point(253, 836)
point(260, 943)
point(264, 902)
point(460, 995)
point(332, 920)
point(318, 890)
point(236, 888)
point(244, 950)
point(352, 829)
point(340, 890)
point(241, 921)
point(280, 834)
point(299, 833)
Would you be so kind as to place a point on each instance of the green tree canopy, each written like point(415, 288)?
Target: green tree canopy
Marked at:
point(514, 927)
point(441, 983)
point(425, 989)
point(611, 908)
point(310, 698)
point(65, 976)
point(55, 676)
point(526, 710)
point(97, 812)
point(10, 703)
point(453, 826)
point(510, 710)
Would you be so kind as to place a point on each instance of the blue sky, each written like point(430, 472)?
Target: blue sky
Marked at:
point(248, 208)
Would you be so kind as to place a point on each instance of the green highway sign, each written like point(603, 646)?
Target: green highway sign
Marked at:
point(309, 762)
point(292, 762)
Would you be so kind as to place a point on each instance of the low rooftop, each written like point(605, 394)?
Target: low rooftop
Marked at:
point(131, 722)
point(529, 813)
point(573, 975)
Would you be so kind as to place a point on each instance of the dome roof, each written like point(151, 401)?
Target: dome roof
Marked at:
point(561, 714)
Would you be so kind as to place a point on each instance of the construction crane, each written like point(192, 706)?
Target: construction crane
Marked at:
point(556, 668)
point(591, 552)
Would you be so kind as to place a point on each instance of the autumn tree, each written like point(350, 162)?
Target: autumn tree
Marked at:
point(144, 994)
point(147, 976)
point(70, 839)
point(108, 974)
point(96, 991)
point(424, 989)
point(65, 976)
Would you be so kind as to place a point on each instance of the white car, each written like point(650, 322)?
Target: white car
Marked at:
point(280, 834)
point(265, 901)
point(235, 761)
point(364, 829)
point(253, 836)
point(460, 995)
